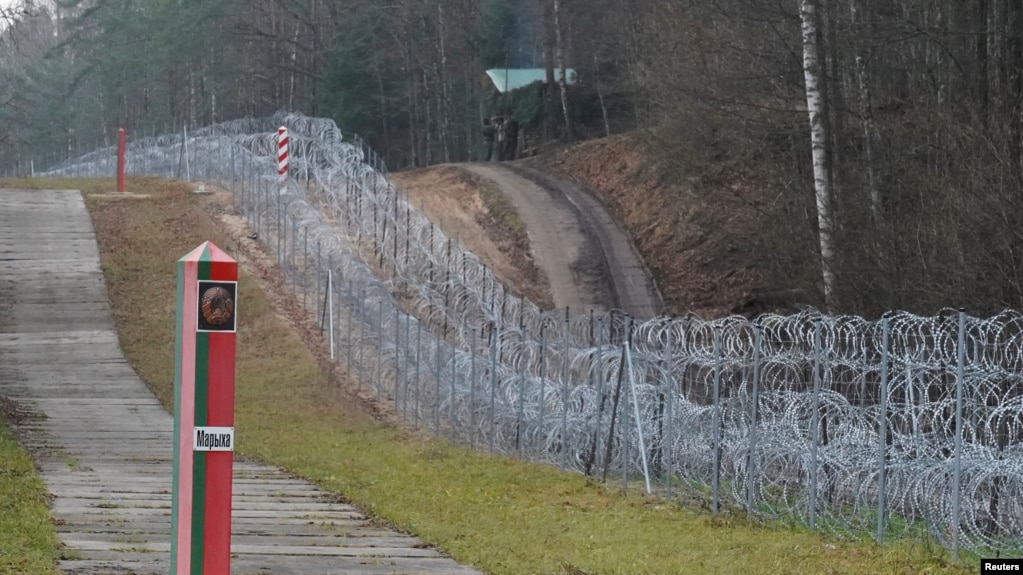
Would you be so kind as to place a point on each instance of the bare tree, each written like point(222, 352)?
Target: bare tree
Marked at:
point(819, 137)
point(559, 58)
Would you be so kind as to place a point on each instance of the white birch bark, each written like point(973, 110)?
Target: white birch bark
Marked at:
point(560, 57)
point(818, 139)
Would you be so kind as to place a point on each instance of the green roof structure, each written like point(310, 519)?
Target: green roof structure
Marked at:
point(508, 79)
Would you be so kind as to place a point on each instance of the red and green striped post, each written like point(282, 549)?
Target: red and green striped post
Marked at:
point(204, 412)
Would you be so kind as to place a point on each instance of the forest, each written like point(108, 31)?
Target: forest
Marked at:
point(879, 142)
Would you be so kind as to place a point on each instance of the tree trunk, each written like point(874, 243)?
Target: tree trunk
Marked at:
point(994, 56)
point(192, 120)
point(413, 97)
point(982, 63)
point(1014, 60)
point(562, 81)
point(548, 65)
point(834, 103)
point(866, 115)
point(274, 55)
point(385, 129)
point(315, 57)
point(600, 97)
point(294, 66)
point(819, 139)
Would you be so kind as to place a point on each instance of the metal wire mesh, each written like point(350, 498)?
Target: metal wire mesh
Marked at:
point(904, 425)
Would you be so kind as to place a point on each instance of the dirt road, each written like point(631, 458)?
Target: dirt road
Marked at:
point(588, 259)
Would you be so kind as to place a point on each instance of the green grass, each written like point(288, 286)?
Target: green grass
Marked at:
point(499, 514)
point(28, 541)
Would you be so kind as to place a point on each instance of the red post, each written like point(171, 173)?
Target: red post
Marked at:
point(204, 412)
point(282, 153)
point(120, 159)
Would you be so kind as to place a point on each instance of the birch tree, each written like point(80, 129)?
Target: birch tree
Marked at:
point(816, 109)
point(559, 47)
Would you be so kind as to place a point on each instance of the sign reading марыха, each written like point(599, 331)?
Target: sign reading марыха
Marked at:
point(213, 439)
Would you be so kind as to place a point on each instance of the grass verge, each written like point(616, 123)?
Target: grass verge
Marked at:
point(28, 541)
point(501, 515)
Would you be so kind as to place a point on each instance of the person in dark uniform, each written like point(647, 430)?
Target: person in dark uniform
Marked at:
point(498, 123)
point(489, 134)
point(511, 139)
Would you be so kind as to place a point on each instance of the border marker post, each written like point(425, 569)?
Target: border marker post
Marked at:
point(204, 412)
point(282, 154)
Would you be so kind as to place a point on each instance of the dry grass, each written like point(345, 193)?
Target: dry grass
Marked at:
point(502, 515)
point(694, 228)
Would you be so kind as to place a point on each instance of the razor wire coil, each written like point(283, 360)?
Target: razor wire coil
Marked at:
point(805, 415)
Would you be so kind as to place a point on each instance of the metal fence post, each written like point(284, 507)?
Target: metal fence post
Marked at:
point(397, 356)
point(494, 342)
point(472, 390)
point(436, 399)
point(361, 364)
point(626, 444)
point(454, 392)
point(751, 470)
point(635, 415)
point(294, 256)
point(305, 265)
point(667, 457)
point(883, 432)
point(407, 380)
point(957, 469)
point(595, 446)
point(331, 296)
point(519, 412)
point(418, 381)
point(319, 280)
point(351, 311)
point(542, 415)
point(715, 504)
point(815, 423)
point(380, 345)
point(565, 439)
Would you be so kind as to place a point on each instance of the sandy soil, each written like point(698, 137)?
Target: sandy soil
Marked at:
point(556, 238)
point(609, 263)
point(450, 197)
point(585, 261)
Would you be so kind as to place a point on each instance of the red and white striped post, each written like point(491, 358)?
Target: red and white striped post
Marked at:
point(120, 159)
point(282, 153)
point(204, 412)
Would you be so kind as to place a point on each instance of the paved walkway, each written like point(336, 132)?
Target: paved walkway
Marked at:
point(104, 442)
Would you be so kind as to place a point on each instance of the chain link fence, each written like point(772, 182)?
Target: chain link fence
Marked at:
point(907, 425)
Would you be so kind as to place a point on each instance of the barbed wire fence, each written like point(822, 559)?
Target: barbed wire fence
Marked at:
point(908, 425)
